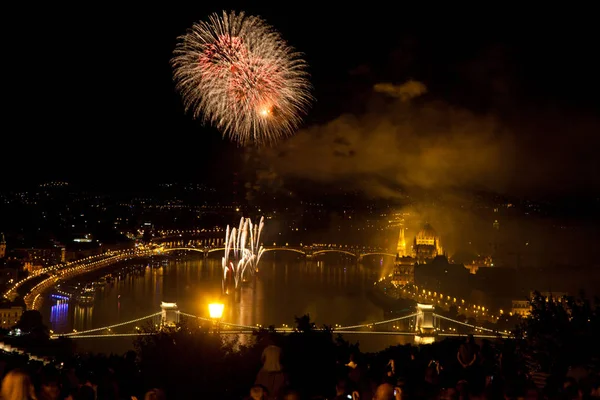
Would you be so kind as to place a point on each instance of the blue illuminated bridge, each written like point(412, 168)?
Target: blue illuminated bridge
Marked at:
point(422, 323)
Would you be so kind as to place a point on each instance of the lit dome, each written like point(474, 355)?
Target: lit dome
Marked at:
point(427, 244)
point(427, 235)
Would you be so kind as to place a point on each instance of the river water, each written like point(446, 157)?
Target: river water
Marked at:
point(332, 291)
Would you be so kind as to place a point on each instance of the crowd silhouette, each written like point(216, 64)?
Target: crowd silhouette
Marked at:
point(556, 356)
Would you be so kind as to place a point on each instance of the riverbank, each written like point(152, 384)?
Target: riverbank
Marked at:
point(389, 304)
point(34, 298)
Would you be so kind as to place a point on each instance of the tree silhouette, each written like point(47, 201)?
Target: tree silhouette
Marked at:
point(31, 323)
point(303, 324)
point(563, 330)
point(453, 311)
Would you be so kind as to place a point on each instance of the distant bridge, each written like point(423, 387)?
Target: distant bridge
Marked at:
point(308, 251)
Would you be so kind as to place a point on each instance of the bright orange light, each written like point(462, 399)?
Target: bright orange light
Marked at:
point(215, 310)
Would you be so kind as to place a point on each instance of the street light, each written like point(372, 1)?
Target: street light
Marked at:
point(215, 310)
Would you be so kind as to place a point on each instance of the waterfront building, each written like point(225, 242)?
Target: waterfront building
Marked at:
point(427, 245)
point(404, 271)
point(9, 316)
point(523, 307)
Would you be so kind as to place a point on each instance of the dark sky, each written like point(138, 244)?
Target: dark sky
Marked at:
point(88, 92)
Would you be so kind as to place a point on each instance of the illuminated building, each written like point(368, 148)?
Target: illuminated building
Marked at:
point(480, 262)
point(9, 316)
point(401, 248)
point(427, 245)
point(520, 307)
point(404, 271)
point(30, 266)
point(523, 307)
point(2, 246)
point(84, 238)
point(35, 258)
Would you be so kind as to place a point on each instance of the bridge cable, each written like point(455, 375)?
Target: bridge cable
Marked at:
point(469, 325)
point(221, 323)
point(377, 323)
point(110, 326)
point(115, 335)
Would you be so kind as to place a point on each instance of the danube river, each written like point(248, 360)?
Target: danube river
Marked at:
point(332, 291)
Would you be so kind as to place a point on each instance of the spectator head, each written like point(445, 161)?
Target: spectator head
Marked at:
point(16, 385)
point(291, 395)
point(462, 388)
point(86, 393)
point(413, 354)
point(258, 392)
point(154, 394)
point(341, 387)
point(384, 392)
point(448, 394)
point(595, 387)
point(271, 358)
point(50, 384)
point(570, 388)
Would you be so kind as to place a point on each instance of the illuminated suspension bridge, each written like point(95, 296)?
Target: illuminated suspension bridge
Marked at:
point(423, 324)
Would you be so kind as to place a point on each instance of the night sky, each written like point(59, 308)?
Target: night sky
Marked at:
point(88, 97)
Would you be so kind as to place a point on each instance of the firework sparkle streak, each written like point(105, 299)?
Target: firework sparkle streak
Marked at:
point(241, 257)
point(237, 73)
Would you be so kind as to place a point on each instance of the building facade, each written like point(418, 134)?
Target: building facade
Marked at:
point(479, 262)
point(2, 246)
point(404, 271)
point(523, 307)
point(35, 258)
point(9, 316)
point(401, 247)
point(427, 245)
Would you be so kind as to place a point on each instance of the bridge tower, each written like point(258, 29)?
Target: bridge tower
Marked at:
point(170, 315)
point(309, 254)
point(425, 324)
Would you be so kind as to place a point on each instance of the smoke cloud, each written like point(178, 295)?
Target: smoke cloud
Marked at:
point(406, 91)
point(439, 155)
point(399, 144)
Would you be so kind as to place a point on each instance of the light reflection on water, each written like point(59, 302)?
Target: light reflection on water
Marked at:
point(331, 292)
point(59, 316)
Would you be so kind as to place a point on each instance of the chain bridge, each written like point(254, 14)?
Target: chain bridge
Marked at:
point(423, 323)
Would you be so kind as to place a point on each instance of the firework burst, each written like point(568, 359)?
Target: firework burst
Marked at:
point(242, 252)
point(237, 73)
